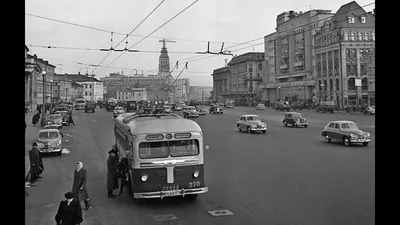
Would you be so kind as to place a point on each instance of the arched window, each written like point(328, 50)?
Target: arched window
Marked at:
point(337, 85)
point(364, 84)
point(353, 36)
point(346, 36)
point(325, 85)
point(330, 85)
point(347, 53)
point(360, 36)
point(373, 36)
point(353, 53)
point(366, 36)
point(351, 84)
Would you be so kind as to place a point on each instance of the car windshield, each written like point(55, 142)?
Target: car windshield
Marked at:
point(119, 108)
point(351, 126)
point(253, 118)
point(162, 149)
point(55, 117)
point(260, 105)
point(297, 115)
point(48, 135)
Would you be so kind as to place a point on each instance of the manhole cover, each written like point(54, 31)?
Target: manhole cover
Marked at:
point(221, 212)
point(165, 217)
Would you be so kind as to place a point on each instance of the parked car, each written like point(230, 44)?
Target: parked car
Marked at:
point(64, 116)
point(282, 106)
point(260, 106)
point(167, 109)
point(370, 110)
point(251, 123)
point(190, 112)
point(201, 111)
point(229, 105)
point(216, 110)
point(60, 107)
point(346, 132)
point(50, 141)
point(118, 111)
point(178, 108)
point(295, 119)
point(55, 119)
point(90, 108)
point(325, 107)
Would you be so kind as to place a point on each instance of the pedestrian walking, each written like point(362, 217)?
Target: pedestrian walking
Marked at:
point(79, 188)
point(69, 211)
point(35, 118)
point(70, 120)
point(36, 162)
point(123, 174)
point(112, 176)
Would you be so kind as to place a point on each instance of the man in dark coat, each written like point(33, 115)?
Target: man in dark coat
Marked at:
point(112, 176)
point(69, 211)
point(70, 120)
point(35, 118)
point(35, 159)
point(79, 188)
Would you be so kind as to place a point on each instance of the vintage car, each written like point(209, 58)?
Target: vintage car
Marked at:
point(229, 105)
point(90, 108)
point(295, 119)
point(370, 110)
point(251, 123)
point(50, 141)
point(61, 107)
point(201, 111)
point(178, 108)
point(260, 106)
point(190, 112)
point(325, 107)
point(118, 111)
point(52, 126)
point(346, 132)
point(64, 116)
point(216, 110)
point(167, 109)
point(55, 119)
point(282, 106)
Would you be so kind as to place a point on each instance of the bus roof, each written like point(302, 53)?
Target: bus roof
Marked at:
point(167, 123)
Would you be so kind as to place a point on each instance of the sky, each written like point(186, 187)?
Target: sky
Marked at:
point(79, 28)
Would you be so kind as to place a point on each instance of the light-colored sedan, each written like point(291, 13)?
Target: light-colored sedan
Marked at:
point(118, 111)
point(49, 141)
point(260, 107)
point(251, 123)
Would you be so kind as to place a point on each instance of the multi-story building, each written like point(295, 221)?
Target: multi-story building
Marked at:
point(134, 94)
point(289, 56)
point(341, 64)
point(182, 89)
point(220, 83)
point(245, 78)
point(200, 93)
point(370, 64)
point(92, 88)
point(66, 90)
point(32, 75)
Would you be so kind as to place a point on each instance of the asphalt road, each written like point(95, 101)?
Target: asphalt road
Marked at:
point(286, 176)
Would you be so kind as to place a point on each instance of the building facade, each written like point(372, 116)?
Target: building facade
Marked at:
point(289, 56)
point(370, 61)
point(44, 83)
point(220, 83)
point(342, 46)
point(32, 75)
point(91, 89)
point(200, 93)
point(134, 94)
point(65, 90)
point(181, 89)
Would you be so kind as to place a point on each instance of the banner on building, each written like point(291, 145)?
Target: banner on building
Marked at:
point(358, 82)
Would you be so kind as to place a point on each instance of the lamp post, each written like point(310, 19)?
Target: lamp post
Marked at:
point(66, 93)
point(51, 95)
point(322, 92)
point(279, 93)
point(44, 91)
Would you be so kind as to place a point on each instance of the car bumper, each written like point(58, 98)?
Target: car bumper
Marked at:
point(162, 194)
point(258, 129)
point(50, 150)
point(360, 140)
point(302, 124)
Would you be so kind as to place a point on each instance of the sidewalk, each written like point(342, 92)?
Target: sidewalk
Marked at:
point(30, 137)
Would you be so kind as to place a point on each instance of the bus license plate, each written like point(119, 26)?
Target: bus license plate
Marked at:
point(171, 193)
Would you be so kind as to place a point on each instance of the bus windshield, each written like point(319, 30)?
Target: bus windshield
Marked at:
point(163, 149)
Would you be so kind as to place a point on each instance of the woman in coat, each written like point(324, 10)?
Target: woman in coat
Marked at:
point(69, 211)
point(36, 162)
point(79, 188)
point(112, 175)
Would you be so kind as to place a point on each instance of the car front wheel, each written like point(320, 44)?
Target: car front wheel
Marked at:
point(346, 141)
point(264, 131)
point(248, 130)
point(294, 124)
point(285, 124)
point(365, 143)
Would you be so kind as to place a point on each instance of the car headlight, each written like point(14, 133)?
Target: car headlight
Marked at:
point(264, 124)
point(196, 174)
point(253, 125)
point(58, 144)
point(368, 134)
point(144, 177)
point(49, 122)
point(353, 136)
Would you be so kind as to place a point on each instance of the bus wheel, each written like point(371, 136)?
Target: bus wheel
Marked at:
point(192, 197)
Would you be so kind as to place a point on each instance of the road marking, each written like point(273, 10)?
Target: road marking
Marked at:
point(165, 217)
point(221, 212)
point(65, 151)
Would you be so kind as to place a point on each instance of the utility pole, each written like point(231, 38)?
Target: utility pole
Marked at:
point(340, 67)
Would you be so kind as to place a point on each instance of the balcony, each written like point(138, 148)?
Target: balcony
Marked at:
point(298, 63)
point(284, 66)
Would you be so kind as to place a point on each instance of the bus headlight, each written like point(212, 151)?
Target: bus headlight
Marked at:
point(144, 177)
point(196, 174)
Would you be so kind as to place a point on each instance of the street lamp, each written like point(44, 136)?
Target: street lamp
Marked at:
point(44, 91)
point(279, 93)
point(66, 93)
point(322, 92)
point(51, 95)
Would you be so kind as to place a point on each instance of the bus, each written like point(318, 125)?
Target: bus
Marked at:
point(164, 152)
point(80, 103)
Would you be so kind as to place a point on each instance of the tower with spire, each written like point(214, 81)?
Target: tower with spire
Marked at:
point(163, 66)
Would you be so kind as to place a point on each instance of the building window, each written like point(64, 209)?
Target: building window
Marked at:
point(373, 36)
point(363, 19)
point(366, 37)
point(350, 19)
point(353, 36)
point(346, 36)
point(360, 36)
point(86, 93)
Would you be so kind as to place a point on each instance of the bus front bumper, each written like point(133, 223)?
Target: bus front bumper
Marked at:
point(162, 194)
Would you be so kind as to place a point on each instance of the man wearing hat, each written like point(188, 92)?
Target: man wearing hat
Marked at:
point(36, 162)
point(69, 211)
point(112, 176)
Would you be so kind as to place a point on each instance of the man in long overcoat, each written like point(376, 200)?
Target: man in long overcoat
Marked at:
point(79, 188)
point(35, 118)
point(69, 211)
point(35, 159)
point(112, 175)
